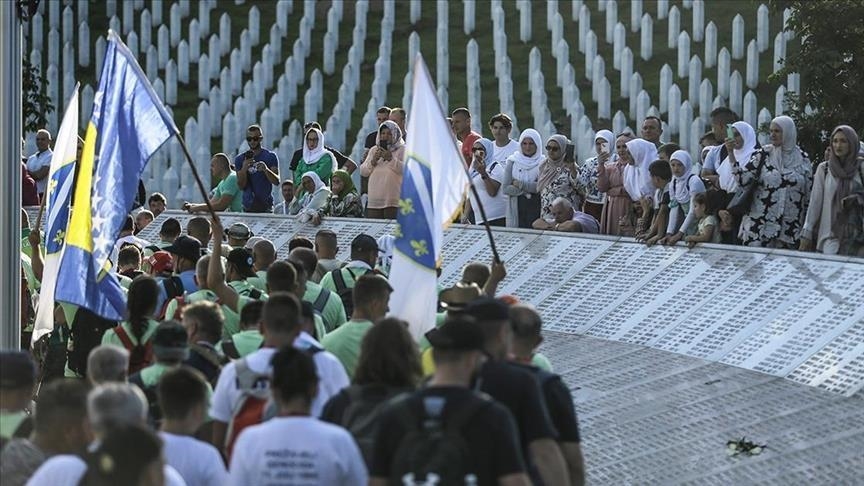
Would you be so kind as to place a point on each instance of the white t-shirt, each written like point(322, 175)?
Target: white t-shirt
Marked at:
point(199, 463)
point(127, 240)
point(500, 154)
point(67, 470)
point(494, 206)
point(297, 451)
point(36, 162)
point(331, 379)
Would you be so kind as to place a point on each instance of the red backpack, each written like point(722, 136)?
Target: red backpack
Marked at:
point(256, 404)
point(140, 356)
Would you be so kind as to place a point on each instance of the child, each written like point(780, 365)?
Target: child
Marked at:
point(708, 230)
point(661, 175)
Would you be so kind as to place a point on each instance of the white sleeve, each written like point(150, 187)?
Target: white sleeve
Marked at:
point(221, 406)
point(217, 475)
point(172, 477)
point(239, 474)
point(332, 378)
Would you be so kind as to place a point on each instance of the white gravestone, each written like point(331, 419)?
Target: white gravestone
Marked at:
point(68, 25)
point(171, 82)
point(176, 22)
point(665, 84)
point(128, 15)
point(611, 20)
point(37, 25)
point(752, 70)
point(53, 47)
point(662, 9)
point(255, 25)
point(674, 27)
point(236, 72)
point(674, 108)
point(590, 53)
point(635, 15)
point(620, 38)
point(204, 77)
point(195, 42)
point(694, 80)
point(724, 63)
point(163, 46)
point(525, 23)
point(604, 105)
point(635, 88)
point(584, 26)
point(152, 69)
point(750, 109)
point(225, 33)
point(710, 45)
point(779, 51)
point(647, 38)
point(685, 119)
point(683, 54)
point(780, 100)
point(183, 62)
point(84, 44)
point(698, 20)
point(762, 28)
point(132, 42)
point(763, 119)
point(626, 72)
point(736, 88)
point(468, 15)
point(738, 37)
point(706, 94)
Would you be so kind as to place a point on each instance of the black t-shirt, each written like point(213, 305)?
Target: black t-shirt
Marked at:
point(559, 400)
point(490, 434)
point(371, 139)
point(519, 390)
point(341, 158)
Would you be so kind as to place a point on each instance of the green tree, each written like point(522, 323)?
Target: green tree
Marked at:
point(831, 64)
point(35, 103)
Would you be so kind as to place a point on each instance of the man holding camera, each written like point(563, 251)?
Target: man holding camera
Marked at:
point(257, 173)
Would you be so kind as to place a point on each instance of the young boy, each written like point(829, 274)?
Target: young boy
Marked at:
point(661, 175)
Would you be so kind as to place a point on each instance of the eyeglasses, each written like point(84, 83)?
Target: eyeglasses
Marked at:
point(253, 139)
point(550, 148)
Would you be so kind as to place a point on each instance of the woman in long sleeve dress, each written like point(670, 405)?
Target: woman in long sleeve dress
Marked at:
point(520, 181)
point(558, 177)
point(610, 179)
point(784, 177)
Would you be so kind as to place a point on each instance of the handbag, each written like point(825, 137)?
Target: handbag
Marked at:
point(742, 200)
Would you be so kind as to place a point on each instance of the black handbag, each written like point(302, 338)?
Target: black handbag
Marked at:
point(742, 200)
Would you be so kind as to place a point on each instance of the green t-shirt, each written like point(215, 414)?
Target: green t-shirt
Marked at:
point(333, 313)
point(246, 342)
point(323, 167)
point(9, 423)
point(542, 362)
point(228, 187)
point(245, 288)
point(345, 342)
point(110, 336)
point(232, 319)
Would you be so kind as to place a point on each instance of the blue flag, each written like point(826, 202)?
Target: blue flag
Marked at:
point(129, 123)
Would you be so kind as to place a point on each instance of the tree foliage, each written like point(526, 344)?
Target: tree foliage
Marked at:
point(830, 62)
point(35, 103)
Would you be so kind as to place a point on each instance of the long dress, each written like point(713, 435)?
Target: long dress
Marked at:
point(611, 181)
point(563, 185)
point(779, 205)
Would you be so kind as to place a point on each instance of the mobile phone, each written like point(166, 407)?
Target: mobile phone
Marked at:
point(249, 154)
point(568, 153)
point(385, 144)
point(730, 132)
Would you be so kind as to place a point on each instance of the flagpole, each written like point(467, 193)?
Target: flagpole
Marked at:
point(204, 192)
point(485, 221)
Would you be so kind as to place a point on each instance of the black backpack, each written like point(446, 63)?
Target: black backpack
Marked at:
point(85, 333)
point(346, 293)
point(361, 416)
point(432, 449)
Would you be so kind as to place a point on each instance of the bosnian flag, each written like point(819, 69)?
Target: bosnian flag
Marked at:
point(433, 186)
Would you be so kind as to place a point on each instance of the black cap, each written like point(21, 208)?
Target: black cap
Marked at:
point(488, 309)
point(239, 231)
point(457, 334)
point(17, 370)
point(185, 246)
point(243, 260)
point(170, 341)
point(364, 243)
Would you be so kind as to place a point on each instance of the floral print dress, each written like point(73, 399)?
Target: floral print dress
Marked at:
point(780, 203)
point(562, 185)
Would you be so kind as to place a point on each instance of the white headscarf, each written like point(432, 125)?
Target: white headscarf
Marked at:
point(609, 137)
point(525, 168)
point(679, 189)
point(742, 156)
point(637, 179)
point(311, 156)
point(319, 185)
point(396, 140)
point(788, 156)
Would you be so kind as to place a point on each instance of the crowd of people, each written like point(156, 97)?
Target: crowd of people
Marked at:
point(236, 365)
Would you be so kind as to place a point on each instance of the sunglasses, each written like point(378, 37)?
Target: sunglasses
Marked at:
point(253, 139)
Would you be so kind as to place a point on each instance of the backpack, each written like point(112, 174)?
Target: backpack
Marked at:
point(181, 303)
point(361, 416)
point(86, 332)
point(173, 288)
point(430, 450)
point(140, 356)
point(256, 404)
point(154, 413)
point(345, 292)
point(321, 301)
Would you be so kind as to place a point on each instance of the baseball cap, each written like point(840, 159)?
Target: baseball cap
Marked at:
point(243, 260)
point(161, 261)
point(186, 246)
point(239, 231)
point(459, 295)
point(17, 370)
point(170, 341)
point(457, 334)
point(364, 242)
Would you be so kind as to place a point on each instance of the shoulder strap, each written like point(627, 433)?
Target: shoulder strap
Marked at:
point(230, 349)
point(339, 279)
point(136, 379)
point(321, 300)
point(124, 337)
point(255, 294)
point(207, 354)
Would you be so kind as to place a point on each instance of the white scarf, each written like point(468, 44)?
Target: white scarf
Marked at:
point(319, 185)
point(742, 155)
point(637, 179)
point(525, 168)
point(680, 188)
point(311, 156)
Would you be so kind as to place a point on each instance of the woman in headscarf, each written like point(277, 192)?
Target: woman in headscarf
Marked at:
point(784, 176)
point(604, 143)
point(344, 201)
point(558, 177)
point(383, 166)
point(610, 180)
point(683, 188)
point(520, 181)
point(838, 191)
point(315, 158)
point(739, 149)
point(637, 182)
point(313, 195)
point(486, 176)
